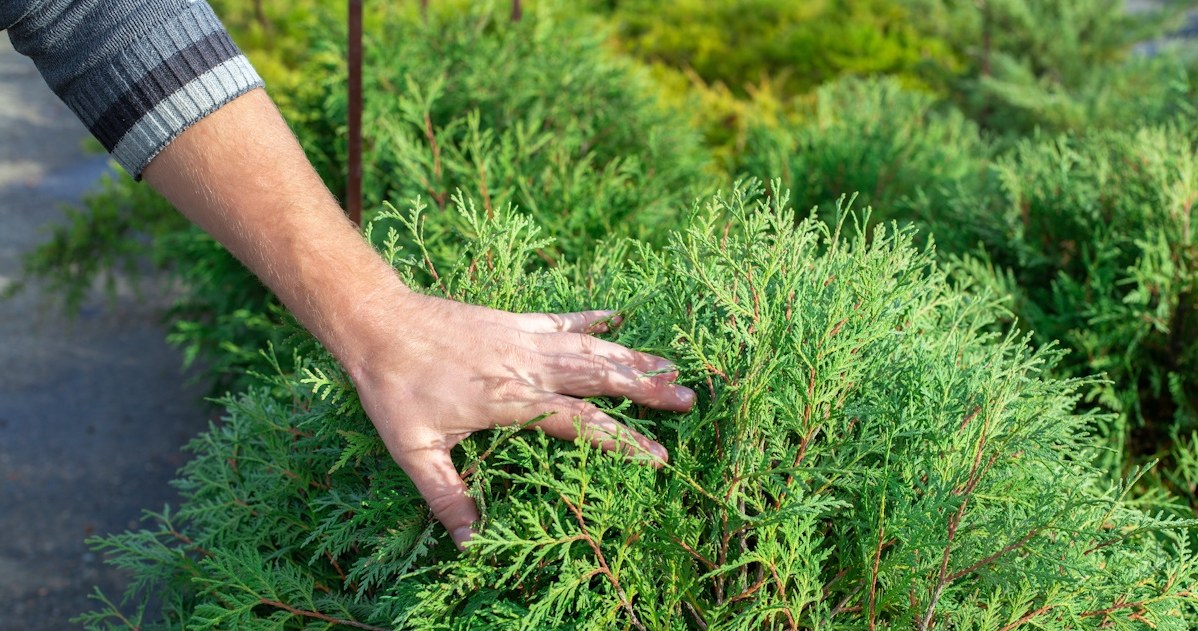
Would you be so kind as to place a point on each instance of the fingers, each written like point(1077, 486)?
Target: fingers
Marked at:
point(585, 322)
point(600, 429)
point(650, 381)
point(594, 375)
point(440, 485)
point(584, 366)
point(586, 345)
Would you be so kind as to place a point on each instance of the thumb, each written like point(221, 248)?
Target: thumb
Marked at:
point(439, 484)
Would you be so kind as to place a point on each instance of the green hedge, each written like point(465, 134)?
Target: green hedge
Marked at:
point(1090, 233)
point(1053, 65)
point(872, 138)
point(915, 417)
point(1094, 238)
point(732, 64)
point(863, 452)
point(537, 114)
point(801, 45)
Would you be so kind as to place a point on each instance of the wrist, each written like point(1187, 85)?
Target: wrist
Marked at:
point(372, 328)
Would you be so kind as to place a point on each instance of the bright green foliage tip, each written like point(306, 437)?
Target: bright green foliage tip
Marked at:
point(862, 456)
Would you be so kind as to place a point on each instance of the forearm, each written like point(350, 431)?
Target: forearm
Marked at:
point(428, 371)
point(240, 175)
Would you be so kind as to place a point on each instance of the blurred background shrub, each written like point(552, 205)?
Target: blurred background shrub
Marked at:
point(869, 138)
point(537, 114)
point(1094, 238)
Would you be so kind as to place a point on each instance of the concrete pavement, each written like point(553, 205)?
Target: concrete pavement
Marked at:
point(92, 411)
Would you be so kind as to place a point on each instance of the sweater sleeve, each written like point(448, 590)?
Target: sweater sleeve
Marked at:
point(136, 72)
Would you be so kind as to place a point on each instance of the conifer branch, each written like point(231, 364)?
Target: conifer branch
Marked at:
point(440, 196)
point(319, 616)
point(603, 567)
point(976, 472)
point(486, 194)
point(719, 443)
point(803, 443)
point(1113, 608)
point(993, 557)
point(432, 270)
point(843, 605)
point(336, 566)
point(877, 561)
point(1027, 617)
point(794, 626)
point(752, 589)
point(694, 553)
point(742, 539)
point(695, 615)
point(187, 541)
point(839, 575)
point(115, 611)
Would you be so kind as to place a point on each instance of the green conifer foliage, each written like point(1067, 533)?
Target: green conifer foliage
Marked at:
point(1091, 233)
point(734, 64)
point(536, 113)
point(864, 454)
point(1095, 237)
point(873, 138)
point(800, 45)
point(1050, 64)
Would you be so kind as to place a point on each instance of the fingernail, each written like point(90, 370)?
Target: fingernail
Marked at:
point(461, 536)
point(659, 451)
point(685, 395)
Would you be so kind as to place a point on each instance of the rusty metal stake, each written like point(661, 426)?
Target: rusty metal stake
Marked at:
point(353, 191)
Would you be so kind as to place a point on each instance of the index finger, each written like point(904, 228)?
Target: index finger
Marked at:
point(595, 321)
point(648, 364)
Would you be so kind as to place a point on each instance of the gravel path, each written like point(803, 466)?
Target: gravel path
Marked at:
point(92, 412)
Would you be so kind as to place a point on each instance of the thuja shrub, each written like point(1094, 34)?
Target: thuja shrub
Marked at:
point(800, 45)
point(872, 138)
point(863, 453)
point(537, 113)
point(1095, 237)
point(736, 64)
point(1052, 64)
point(1090, 233)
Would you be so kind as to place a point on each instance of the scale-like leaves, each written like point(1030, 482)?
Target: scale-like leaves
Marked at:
point(864, 453)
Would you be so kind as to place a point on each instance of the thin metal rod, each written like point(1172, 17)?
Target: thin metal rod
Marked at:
point(353, 191)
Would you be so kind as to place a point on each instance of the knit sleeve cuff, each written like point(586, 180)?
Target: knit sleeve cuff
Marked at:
point(164, 82)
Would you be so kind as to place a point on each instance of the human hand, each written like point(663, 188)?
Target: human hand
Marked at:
point(429, 371)
point(449, 369)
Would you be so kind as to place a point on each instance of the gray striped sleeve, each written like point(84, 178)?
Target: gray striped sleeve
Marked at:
point(199, 97)
point(136, 72)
